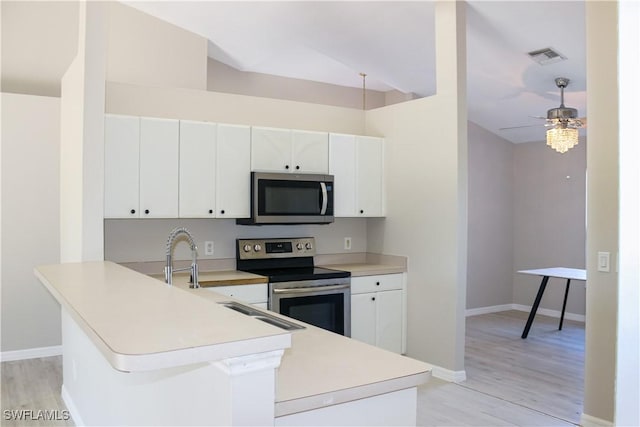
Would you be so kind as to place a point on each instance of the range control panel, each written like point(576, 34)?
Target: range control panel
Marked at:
point(275, 248)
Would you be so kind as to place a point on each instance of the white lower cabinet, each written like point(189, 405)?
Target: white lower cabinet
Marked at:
point(377, 311)
point(253, 294)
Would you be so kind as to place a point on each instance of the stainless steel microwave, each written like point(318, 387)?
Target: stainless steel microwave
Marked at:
point(290, 198)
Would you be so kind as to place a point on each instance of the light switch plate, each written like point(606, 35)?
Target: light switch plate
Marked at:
point(603, 261)
point(208, 247)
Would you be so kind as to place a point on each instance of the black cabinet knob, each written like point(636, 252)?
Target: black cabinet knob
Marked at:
point(222, 211)
point(146, 211)
point(377, 283)
point(210, 211)
point(361, 211)
point(133, 211)
point(286, 166)
point(373, 298)
point(297, 167)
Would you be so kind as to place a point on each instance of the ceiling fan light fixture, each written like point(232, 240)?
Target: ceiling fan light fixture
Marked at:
point(562, 139)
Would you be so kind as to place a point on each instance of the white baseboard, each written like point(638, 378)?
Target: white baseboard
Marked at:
point(527, 308)
point(71, 407)
point(551, 313)
point(589, 421)
point(487, 310)
point(31, 353)
point(448, 375)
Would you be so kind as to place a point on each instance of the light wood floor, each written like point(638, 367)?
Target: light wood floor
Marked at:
point(510, 381)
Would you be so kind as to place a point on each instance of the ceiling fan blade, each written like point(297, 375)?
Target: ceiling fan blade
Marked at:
point(538, 117)
point(524, 126)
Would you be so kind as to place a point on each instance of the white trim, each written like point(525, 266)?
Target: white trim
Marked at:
point(589, 421)
point(551, 313)
point(448, 375)
point(31, 353)
point(521, 307)
point(487, 310)
point(71, 407)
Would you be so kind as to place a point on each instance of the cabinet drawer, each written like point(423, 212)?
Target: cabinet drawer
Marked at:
point(382, 282)
point(246, 293)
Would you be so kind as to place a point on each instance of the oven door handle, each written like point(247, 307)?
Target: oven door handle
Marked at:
point(306, 290)
point(323, 209)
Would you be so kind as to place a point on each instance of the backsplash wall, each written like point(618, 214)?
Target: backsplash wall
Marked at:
point(141, 240)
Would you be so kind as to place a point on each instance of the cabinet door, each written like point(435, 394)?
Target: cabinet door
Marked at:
point(310, 152)
point(369, 179)
point(389, 320)
point(233, 171)
point(121, 157)
point(270, 149)
point(363, 318)
point(197, 169)
point(342, 162)
point(159, 150)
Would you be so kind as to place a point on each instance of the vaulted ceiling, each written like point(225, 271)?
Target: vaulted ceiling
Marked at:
point(391, 41)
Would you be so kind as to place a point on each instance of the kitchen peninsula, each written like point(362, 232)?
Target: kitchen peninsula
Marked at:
point(139, 352)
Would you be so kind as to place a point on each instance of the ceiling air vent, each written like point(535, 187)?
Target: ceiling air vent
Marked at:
point(546, 56)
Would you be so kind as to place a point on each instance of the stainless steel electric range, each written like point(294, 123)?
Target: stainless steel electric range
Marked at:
point(297, 288)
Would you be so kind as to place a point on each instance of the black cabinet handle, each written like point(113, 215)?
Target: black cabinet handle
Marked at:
point(222, 211)
point(146, 211)
point(133, 211)
point(373, 298)
point(361, 211)
point(377, 283)
point(286, 166)
point(297, 167)
point(210, 211)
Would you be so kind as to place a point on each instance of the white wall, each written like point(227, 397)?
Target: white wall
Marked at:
point(491, 194)
point(30, 219)
point(549, 221)
point(82, 141)
point(602, 209)
point(627, 410)
point(223, 78)
point(146, 50)
point(129, 240)
point(426, 178)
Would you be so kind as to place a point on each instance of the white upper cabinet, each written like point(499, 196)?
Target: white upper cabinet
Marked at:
point(342, 163)
point(284, 150)
point(197, 169)
point(232, 169)
point(369, 176)
point(310, 152)
point(358, 168)
point(159, 151)
point(121, 174)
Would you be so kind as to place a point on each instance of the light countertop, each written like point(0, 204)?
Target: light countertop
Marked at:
point(139, 323)
point(322, 368)
point(217, 278)
point(367, 269)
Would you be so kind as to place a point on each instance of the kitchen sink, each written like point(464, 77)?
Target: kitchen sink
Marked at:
point(262, 316)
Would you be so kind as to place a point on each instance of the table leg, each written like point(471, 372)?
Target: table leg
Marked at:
point(536, 303)
point(564, 304)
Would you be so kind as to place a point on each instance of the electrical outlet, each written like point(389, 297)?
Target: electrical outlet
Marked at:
point(347, 243)
point(208, 247)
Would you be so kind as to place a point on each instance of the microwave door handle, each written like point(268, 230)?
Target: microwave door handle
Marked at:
point(323, 209)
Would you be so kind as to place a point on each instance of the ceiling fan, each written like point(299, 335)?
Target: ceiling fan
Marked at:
point(561, 116)
point(562, 122)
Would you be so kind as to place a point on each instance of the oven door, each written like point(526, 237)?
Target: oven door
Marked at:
point(322, 303)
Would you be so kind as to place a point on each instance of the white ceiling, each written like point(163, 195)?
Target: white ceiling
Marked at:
point(391, 41)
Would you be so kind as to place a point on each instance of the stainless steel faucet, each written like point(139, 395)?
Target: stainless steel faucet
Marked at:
point(168, 269)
